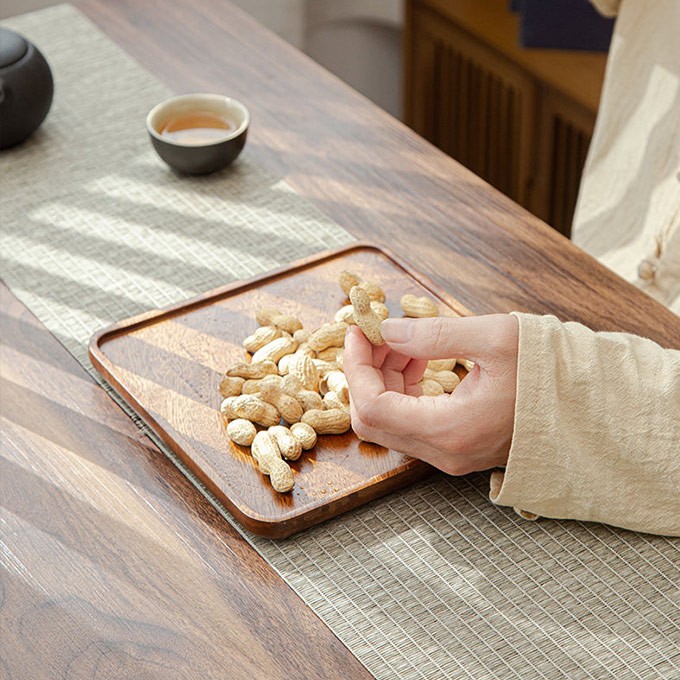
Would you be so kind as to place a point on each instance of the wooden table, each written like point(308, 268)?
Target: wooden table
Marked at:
point(182, 594)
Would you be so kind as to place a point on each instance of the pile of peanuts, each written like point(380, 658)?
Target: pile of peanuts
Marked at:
point(293, 388)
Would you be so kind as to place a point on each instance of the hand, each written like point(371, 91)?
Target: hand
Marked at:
point(470, 429)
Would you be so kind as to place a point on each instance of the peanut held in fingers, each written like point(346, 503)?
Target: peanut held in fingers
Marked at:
point(365, 317)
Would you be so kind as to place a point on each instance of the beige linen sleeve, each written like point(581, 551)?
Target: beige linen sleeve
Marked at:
point(597, 428)
point(608, 8)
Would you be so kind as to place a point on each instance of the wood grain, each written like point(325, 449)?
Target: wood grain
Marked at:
point(168, 365)
point(374, 176)
point(114, 565)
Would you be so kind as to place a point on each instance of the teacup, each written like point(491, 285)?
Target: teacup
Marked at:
point(198, 133)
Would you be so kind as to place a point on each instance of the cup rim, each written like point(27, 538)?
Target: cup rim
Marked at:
point(198, 96)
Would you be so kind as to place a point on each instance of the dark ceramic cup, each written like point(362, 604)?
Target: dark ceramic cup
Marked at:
point(26, 88)
point(202, 156)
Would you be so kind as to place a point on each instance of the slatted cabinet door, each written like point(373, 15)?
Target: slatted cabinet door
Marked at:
point(475, 106)
point(495, 116)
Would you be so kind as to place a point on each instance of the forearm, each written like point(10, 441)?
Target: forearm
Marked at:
point(597, 428)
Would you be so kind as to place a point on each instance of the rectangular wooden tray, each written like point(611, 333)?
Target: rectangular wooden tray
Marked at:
point(167, 364)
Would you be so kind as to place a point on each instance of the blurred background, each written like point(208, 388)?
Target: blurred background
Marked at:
point(510, 88)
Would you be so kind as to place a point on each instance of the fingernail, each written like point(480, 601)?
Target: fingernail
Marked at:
point(397, 330)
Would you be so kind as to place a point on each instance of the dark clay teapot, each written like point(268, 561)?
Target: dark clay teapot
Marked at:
point(26, 88)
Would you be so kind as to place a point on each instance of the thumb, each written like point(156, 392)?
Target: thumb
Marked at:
point(483, 339)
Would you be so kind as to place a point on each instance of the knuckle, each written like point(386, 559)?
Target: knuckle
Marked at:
point(439, 331)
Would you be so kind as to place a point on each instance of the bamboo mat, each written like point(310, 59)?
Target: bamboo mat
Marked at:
point(434, 582)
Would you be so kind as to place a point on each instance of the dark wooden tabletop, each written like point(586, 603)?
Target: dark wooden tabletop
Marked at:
point(116, 567)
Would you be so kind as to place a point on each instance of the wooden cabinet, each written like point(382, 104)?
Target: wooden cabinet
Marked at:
point(520, 118)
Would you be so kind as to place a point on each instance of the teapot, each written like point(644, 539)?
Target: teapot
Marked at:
point(26, 88)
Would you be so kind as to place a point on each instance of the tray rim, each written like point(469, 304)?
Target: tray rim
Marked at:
point(413, 470)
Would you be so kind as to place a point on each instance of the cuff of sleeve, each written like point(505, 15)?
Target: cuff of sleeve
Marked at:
point(521, 484)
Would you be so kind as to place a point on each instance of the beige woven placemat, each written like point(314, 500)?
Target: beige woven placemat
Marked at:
point(434, 582)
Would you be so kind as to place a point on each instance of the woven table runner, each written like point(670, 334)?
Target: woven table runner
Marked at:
point(432, 582)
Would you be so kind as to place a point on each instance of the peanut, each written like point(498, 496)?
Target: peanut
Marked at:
point(305, 434)
point(335, 421)
point(254, 409)
point(291, 385)
point(227, 408)
point(418, 307)
point(447, 379)
point(264, 450)
point(324, 367)
point(253, 371)
point(284, 363)
point(273, 317)
point(289, 446)
point(280, 475)
point(330, 354)
point(305, 370)
point(274, 350)
point(374, 291)
point(365, 317)
point(335, 381)
point(254, 386)
point(261, 337)
point(329, 335)
point(301, 336)
point(241, 431)
point(309, 400)
point(231, 387)
point(332, 400)
point(289, 408)
point(380, 309)
point(345, 314)
point(431, 388)
point(441, 364)
point(347, 281)
point(304, 348)
point(466, 363)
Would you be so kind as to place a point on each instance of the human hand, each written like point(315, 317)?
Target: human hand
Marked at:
point(470, 429)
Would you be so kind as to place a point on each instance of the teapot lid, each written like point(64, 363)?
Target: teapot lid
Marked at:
point(12, 47)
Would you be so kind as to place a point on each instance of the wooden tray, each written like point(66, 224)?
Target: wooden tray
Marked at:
point(168, 364)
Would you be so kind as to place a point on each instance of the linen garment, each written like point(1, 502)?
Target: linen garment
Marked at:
point(597, 428)
point(628, 210)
